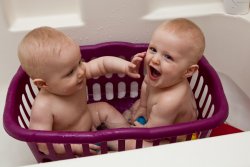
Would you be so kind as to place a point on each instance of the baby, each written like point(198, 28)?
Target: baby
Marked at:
point(172, 56)
point(53, 61)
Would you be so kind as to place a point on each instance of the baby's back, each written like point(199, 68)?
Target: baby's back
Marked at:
point(185, 105)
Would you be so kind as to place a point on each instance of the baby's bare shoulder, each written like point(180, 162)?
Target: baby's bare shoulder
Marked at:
point(40, 105)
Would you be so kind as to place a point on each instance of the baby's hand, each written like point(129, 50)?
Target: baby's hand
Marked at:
point(141, 111)
point(94, 148)
point(133, 67)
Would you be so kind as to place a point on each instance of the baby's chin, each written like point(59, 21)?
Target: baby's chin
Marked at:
point(159, 83)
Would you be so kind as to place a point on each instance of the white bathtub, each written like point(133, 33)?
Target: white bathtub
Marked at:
point(90, 21)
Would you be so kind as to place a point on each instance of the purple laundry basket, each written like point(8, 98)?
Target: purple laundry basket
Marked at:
point(211, 102)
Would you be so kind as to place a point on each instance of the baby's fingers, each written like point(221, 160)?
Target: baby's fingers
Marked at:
point(141, 55)
point(134, 75)
point(94, 148)
point(137, 60)
point(134, 66)
point(131, 65)
point(138, 56)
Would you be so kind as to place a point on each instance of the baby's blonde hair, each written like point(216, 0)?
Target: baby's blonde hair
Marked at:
point(187, 29)
point(37, 46)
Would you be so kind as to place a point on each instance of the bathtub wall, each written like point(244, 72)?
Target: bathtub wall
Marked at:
point(92, 21)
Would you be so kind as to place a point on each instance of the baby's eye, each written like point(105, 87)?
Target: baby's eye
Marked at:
point(152, 49)
point(70, 73)
point(168, 57)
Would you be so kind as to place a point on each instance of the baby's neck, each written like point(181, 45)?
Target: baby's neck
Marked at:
point(70, 96)
point(172, 86)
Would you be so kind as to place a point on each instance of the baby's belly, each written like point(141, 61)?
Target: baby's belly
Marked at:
point(85, 123)
point(81, 122)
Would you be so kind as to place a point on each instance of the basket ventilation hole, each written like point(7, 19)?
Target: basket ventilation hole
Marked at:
point(121, 89)
point(204, 94)
point(121, 75)
point(193, 79)
point(34, 87)
point(28, 92)
point(197, 92)
point(211, 112)
point(108, 75)
point(96, 92)
point(109, 91)
point(25, 110)
point(208, 103)
point(20, 122)
point(134, 89)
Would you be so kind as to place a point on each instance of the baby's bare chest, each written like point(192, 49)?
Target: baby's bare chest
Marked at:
point(154, 98)
point(175, 100)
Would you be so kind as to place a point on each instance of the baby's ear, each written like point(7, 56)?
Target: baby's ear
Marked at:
point(40, 83)
point(191, 70)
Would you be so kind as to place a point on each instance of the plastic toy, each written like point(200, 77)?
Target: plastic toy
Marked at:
point(141, 120)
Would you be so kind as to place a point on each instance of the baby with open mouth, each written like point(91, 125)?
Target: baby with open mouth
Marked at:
point(171, 58)
point(154, 73)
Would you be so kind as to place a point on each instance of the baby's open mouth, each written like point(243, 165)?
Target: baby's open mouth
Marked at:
point(155, 73)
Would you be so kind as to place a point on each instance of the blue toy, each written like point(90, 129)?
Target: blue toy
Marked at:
point(141, 120)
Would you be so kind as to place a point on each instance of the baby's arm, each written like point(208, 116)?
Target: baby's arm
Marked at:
point(110, 64)
point(41, 119)
point(142, 108)
point(163, 113)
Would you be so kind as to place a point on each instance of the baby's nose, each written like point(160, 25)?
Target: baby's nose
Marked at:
point(156, 59)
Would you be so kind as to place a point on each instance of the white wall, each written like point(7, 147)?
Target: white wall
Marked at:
point(94, 21)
